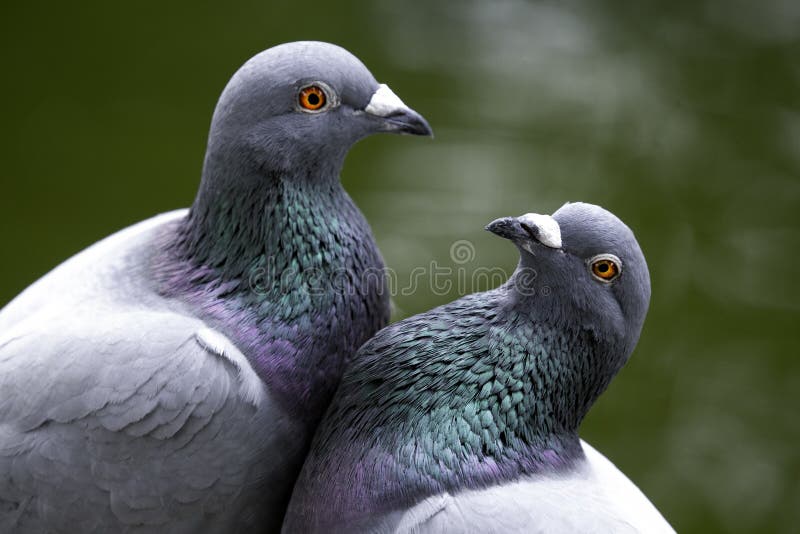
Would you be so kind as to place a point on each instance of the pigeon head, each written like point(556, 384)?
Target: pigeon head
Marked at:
point(300, 107)
point(584, 266)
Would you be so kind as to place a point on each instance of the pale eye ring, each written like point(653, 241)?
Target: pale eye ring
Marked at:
point(605, 267)
point(315, 97)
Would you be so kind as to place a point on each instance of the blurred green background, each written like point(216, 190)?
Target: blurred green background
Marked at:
point(683, 118)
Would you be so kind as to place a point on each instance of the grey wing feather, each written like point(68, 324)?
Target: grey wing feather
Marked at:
point(111, 420)
point(597, 498)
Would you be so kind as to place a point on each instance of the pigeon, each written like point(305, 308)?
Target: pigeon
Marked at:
point(169, 378)
point(464, 419)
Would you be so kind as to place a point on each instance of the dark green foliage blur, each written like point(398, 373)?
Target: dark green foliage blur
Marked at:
point(683, 119)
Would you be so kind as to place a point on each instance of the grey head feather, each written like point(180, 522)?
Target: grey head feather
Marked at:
point(563, 279)
point(257, 120)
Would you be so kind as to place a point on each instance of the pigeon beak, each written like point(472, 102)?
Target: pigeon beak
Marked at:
point(396, 116)
point(506, 227)
point(527, 228)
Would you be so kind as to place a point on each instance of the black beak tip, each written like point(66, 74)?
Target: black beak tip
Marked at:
point(423, 128)
point(503, 227)
point(410, 122)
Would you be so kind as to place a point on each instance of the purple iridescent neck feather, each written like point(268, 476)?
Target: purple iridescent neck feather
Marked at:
point(285, 265)
point(476, 392)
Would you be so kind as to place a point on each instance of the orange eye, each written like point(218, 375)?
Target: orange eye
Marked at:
point(605, 268)
point(312, 98)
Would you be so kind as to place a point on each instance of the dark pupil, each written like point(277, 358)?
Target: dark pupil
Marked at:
point(313, 99)
point(603, 267)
